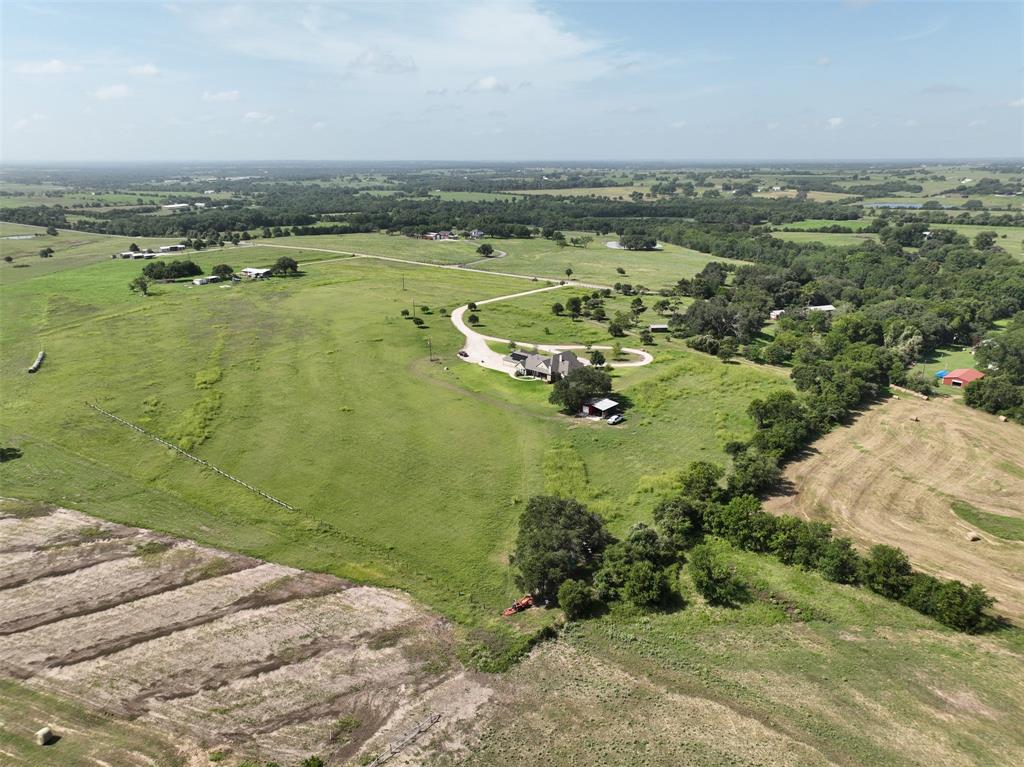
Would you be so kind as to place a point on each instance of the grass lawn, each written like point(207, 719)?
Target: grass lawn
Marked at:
point(530, 319)
point(405, 472)
point(947, 358)
point(826, 238)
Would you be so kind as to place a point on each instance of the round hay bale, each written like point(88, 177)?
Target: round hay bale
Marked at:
point(45, 736)
point(973, 536)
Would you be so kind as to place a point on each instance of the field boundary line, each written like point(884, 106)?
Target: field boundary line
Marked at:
point(188, 455)
point(395, 747)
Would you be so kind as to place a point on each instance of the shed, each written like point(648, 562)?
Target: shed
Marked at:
point(602, 407)
point(659, 328)
point(961, 377)
point(253, 273)
point(821, 308)
point(774, 314)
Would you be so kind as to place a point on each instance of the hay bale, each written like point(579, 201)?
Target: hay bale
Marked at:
point(973, 536)
point(45, 736)
point(1003, 418)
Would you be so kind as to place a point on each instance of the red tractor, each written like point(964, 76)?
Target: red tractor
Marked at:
point(518, 606)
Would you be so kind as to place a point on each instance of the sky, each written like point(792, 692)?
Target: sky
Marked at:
point(510, 81)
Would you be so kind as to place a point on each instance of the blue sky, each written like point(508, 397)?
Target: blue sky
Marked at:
point(89, 81)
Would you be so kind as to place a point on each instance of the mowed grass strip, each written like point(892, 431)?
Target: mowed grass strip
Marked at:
point(999, 525)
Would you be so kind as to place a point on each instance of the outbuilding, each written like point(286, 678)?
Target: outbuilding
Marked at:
point(603, 407)
point(171, 248)
point(252, 273)
point(659, 328)
point(961, 377)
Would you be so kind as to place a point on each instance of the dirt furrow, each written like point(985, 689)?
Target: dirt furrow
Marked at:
point(108, 584)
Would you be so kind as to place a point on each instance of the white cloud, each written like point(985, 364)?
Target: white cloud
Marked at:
point(258, 117)
point(488, 84)
point(217, 96)
point(835, 122)
point(144, 70)
point(911, 123)
point(111, 92)
point(27, 122)
point(319, 125)
point(677, 124)
point(977, 123)
point(773, 125)
point(1016, 103)
point(50, 67)
point(824, 61)
point(435, 45)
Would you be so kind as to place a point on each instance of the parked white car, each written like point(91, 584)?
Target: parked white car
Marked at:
point(615, 419)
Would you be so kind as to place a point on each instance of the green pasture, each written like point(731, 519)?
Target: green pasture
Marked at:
point(827, 238)
point(71, 250)
point(405, 472)
point(819, 223)
point(1010, 238)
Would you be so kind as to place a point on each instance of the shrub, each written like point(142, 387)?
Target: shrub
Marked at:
point(644, 585)
point(886, 571)
point(575, 598)
point(714, 579)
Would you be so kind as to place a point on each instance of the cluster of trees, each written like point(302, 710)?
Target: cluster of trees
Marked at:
point(1001, 356)
point(171, 270)
point(565, 554)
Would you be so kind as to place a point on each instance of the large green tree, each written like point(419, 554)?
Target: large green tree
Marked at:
point(580, 385)
point(558, 540)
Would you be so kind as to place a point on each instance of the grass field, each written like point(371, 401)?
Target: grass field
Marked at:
point(71, 250)
point(534, 257)
point(806, 673)
point(818, 223)
point(315, 390)
point(613, 192)
point(827, 238)
point(1011, 238)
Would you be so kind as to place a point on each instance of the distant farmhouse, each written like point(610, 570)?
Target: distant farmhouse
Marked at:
point(476, 234)
point(549, 369)
point(252, 273)
point(960, 377)
point(171, 248)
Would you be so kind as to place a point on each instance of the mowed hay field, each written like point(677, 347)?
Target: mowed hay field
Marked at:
point(405, 471)
point(896, 476)
point(208, 650)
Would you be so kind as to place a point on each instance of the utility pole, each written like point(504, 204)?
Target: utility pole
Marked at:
point(430, 351)
point(403, 282)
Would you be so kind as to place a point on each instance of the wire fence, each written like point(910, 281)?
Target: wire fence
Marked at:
point(188, 455)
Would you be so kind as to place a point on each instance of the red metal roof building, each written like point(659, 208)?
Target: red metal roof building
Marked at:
point(961, 377)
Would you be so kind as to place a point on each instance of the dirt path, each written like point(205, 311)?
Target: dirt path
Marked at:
point(480, 353)
point(892, 477)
